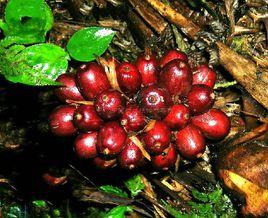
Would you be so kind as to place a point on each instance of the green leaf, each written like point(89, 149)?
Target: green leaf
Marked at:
point(203, 197)
point(39, 203)
point(135, 185)
point(13, 211)
point(89, 42)
point(113, 190)
point(118, 212)
point(37, 65)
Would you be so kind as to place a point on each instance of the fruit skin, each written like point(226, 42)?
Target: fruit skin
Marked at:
point(155, 101)
point(129, 78)
point(157, 139)
point(200, 99)
point(147, 65)
point(172, 55)
point(85, 145)
point(166, 160)
point(177, 77)
point(131, 156)
point(111, 139)
point(103, 164)
point(69, 89)
point(190, 142)
point(178, 117)
point(86, 118)
point(61, 121)
point(133, 119)
point(110, 104)
point(214, 124)
point(91, 80)
point(205, 75)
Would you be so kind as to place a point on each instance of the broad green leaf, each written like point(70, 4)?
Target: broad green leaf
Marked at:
point(39, 203)
point(37, 65)
point(113, 190)
point(135, 185)
point(89, 42)
point(118, 212)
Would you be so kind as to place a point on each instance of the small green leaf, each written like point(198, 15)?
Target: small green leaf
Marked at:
point(89, 42)
point(39, 203)
point(135, 185)
point(203, 197)
point(118, 212)
point(113, 190)
point(13, 211)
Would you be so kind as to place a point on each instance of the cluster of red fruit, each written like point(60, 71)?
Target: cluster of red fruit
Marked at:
point(126, 113)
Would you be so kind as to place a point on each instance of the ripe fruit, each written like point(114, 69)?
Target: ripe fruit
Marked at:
point(165, 160)
point(111, 139)
point(87, 119)
point(128, 77)
point(147, 65)
point(85, 145)
point(157, 138)
point(172, 55)
point(205, 75)
point(177, 77)
point(110, 104)
point(200, 99)
point(155, 101)
point(69, 89)
point(178, 117)
point(214, 124)
point(61, 121)
point(133, 119)
point(91, 80)
point(103, 164)
point(190, 142)
point(131, 156)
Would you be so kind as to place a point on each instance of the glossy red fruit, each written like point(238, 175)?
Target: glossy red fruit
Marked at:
point(91, 80)
point(147, 65)
point(131, 156)
point(103, 164)
point(155, 101)
point(190, 142)
point(166, 160)
point(172, 55)
point(69, 89)
point(177, 77)
point(205, 75)
point(129, 78)
point(214, 124)
point(111, 139)
point(157, 138)
point(200, 99)
point(133, 119)
point(85, 145)
point(61, 121)
point(86, 118)
point(178, 117)
point(110, 104)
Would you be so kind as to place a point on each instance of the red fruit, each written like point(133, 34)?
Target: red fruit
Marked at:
point(110, 104)
point(155, 101)
point(131, 156)
point(178, 117)
point(165, 160)
point(172, 55)
point(61, 121)
point(214, 124)
point(133, 119)
point(86, 118)
point(128, 77)
point(91, 80)
point(103, 164)
point(111, 139)
point(190, 142)
point(147, 65)
point(177, 77)
point(157, 138)
point(205, 75)
point(69, 89)
point(53, 181)
point(85, 145)
point(200, 99)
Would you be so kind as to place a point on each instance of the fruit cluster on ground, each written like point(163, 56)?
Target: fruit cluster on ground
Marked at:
point(153, 110)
